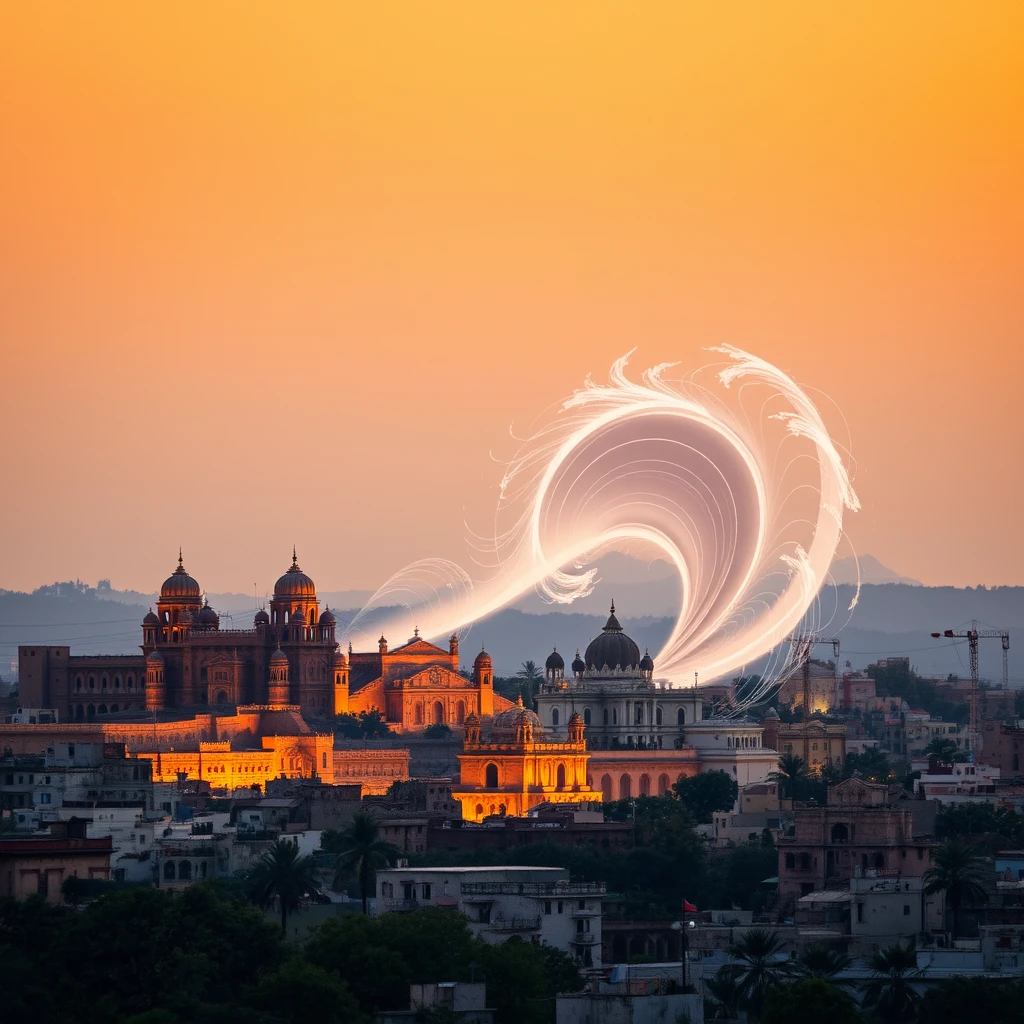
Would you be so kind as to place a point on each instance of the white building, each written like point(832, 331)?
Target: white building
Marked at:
point(959, 783)
point(733, 746)
point(538, 904)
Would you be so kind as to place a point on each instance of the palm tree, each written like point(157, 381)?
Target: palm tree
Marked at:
point(726, 995)
point(821, 961)
point(791, 772)
point(758, 969)
point(942, 749)
point(530, 674)
point(283, 875)
point(889, 993)
point(361, 851)
point(960, 873)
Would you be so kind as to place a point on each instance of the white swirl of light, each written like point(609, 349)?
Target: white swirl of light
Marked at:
point(748, 508)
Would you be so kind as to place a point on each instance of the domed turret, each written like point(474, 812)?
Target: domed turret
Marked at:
point(298, 618)
point(327, 618)
point(179, 585)
point(647, 664)
point(294, 583)
point(517, 725)
point(279, 657)
point(482, 659)
point(613, 651)
point(208, 617)
point(579, 666)
point(155, 658)
point(472, 728)
point(555, 663)
point(261, 618)
point(278, 690)
point(151, 618)
point(185, 618)
point(574, 728)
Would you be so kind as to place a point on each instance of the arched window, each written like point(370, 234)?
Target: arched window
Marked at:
point(840, 833)
point(479, 810)
point(645, 785)
point(586, 716)
point(79, 713)
point(438, 713)
point(639, 714)
point(185, 871)
point(491, 776)
point(615, 716)
point(663, 785)
point(460, 712)
point(560, 777)
point(114, 708)
point(169, 870)
point(605, 716)
point(78, 684)
point(625, 787)
point(418, 714)
point(554, 716)
point(658, 715)
point(324, 765)
point(103, 682)
point(681, 717)
point(606, 788)
point(102, 709)
point(92, 682)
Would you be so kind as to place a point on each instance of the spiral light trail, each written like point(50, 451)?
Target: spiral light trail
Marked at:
point(736, 482)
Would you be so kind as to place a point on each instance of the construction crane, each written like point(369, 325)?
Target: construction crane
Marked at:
point(972, 636)
point(803, 642)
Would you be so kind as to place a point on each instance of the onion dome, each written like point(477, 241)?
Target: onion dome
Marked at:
point(151, 618)
point(155, 658)
point(613, 649)
point(505, 726)
point(298, 618)
point(294, 583)
point(327, 618)
point(261, 618)
point(179, 585)
point(208, 617)
point(483, 658)
point(579, 666)
point(647, 662)
point(575, 718)
point(554, 661)
point(279, 657)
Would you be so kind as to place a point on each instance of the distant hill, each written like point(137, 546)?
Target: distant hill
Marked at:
point(891, 619)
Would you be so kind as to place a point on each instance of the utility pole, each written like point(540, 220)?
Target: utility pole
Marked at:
point(803, 643)
point(972, 636)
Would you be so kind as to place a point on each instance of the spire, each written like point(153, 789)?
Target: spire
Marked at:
point(295, 561)
point(519, 701)
point(416, 632)
point(613, 606)
point(180, 571)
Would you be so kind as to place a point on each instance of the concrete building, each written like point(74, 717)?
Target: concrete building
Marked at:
point(958, 783)
point(40, 864)
point(858, 828)
point(463, 1002)
point(819, 744)
point(1003, 746)
point(537, 904)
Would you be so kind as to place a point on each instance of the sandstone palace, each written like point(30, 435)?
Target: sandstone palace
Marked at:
point(290, 657)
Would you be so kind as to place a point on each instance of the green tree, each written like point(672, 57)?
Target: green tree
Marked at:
point(726, 996)
point(282, 875)
point(367, 725)
point(789, 775)
point(1000, 826)
point(360, 851)
point(872, 765)
point(889, 994)
point(942, 748)
point(757, 968)
point(959, 872)
point(821, 961)
point(531, 675)
point(298, 992)
point(706, 792)
point(955, 1000)
point(523, 979)
point(809, 999)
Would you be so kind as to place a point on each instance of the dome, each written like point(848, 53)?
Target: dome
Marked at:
point(472, 719)
point(208, 617)
point(294, 583)
point(298, 618)
point(151, 619)
point(156, 658)
point(575, 719)
point(340, 657)
point(261, 618)
point(554, 661)
point(578, 665)
point(771, 713)
point(327, 617)
point(483, 658)
point(185, 618)
point(505, 725)
point(179, 585)
point(647, 662)
point(279, 657)
point(613, 649)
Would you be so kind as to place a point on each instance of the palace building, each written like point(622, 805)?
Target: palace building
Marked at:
point(518, 766)
point(290, 656)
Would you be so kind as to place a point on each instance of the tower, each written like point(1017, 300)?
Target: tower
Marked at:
point(279, 689)
point(156, 690)
point(340, 692)
point(483, 676)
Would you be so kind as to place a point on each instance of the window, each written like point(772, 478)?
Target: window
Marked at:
point(790, 861)
point(906, 910)
point(44, 798)
point(425, 890)
point(582, 905)
point(554, 716)
point(586, 716)
point(561, 906)
point(547, 906)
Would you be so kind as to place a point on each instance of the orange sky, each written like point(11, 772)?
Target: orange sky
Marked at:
point(276, 273)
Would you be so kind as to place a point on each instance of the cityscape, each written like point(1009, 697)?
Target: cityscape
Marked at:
point(508, 515)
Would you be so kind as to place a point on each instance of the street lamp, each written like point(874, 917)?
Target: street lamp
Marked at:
point(684, 942)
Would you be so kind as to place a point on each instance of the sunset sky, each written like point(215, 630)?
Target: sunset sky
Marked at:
point(288, 273)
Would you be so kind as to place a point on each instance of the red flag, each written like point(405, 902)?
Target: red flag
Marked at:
point(689, 908)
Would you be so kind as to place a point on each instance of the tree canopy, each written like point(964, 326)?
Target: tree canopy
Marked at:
point(706, 792)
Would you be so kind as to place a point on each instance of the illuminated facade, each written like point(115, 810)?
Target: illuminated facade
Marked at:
point(518, 767)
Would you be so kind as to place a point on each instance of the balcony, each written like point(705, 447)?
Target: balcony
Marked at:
point(586, 939)
point(401, 906)
point(546, 890)
point(515, 924)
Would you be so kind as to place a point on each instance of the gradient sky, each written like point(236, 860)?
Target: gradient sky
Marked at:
point(288, 273)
